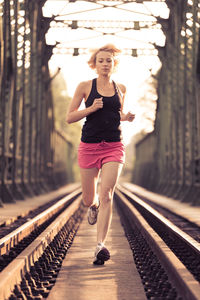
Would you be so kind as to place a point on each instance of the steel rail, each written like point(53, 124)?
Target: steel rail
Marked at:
point(182, 279)
point(14, 272)
point(169, 225)
point(12, 239)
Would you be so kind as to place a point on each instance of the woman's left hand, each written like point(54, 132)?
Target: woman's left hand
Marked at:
point(130, 117)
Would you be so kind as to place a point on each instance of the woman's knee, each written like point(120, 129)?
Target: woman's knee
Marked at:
point(106, 196)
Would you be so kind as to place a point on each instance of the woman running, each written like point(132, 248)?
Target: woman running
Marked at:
point(101, 147)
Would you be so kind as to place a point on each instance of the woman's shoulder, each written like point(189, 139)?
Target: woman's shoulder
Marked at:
point(122, 87)
point(84, 88)
point(85, 84)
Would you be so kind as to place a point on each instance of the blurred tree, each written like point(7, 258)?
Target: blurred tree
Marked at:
point(61, 103)
point(147, 104)
point(131, 156)
point(72, 132)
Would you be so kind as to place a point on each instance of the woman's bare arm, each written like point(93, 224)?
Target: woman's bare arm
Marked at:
point(74, 114)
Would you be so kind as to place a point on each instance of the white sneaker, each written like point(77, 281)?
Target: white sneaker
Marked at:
point(101, 254)
point(92, 214)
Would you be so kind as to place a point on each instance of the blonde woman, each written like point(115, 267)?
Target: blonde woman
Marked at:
point(101, 147)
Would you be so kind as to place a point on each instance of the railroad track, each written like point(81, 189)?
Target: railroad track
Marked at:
point(32, 254)
point(168, 259)
point(176, 250)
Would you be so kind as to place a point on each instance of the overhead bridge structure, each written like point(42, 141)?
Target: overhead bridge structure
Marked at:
point(168, 159)
point(34, 156)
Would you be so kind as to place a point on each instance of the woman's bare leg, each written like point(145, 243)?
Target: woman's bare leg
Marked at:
point(109, 175)
point(89, 179)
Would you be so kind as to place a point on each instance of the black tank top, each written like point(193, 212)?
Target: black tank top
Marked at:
point(103, 124)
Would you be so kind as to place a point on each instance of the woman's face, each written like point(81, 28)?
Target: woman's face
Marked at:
point(104, 63)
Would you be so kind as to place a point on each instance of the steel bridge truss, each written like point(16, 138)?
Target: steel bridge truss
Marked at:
point(107, 27)
point(27, 135)
point(172, 166)
point(30, 147)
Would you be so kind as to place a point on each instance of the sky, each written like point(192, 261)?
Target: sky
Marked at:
point(133, 72)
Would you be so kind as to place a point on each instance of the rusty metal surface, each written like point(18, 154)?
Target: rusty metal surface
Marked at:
point(26, 109)
point(172, 167)
point(34, 156)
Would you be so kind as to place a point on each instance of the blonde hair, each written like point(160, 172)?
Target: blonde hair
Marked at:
point(109, 48)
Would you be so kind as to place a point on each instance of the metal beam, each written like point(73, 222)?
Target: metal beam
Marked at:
point(131, 52)
point(124, 1)
point(94, 24)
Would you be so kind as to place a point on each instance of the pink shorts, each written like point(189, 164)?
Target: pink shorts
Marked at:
point(94, 155)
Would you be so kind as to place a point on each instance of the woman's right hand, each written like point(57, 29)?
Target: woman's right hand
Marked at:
point(97, 104)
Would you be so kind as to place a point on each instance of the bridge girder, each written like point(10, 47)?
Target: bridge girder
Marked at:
point(111, 26)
